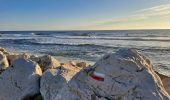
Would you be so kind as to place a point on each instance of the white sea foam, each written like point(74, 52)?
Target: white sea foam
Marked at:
point(91, 45)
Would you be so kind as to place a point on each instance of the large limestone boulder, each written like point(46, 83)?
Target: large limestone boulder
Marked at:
point(3, 62)
point(125, 75)
point(45, 62)
point(52, 82)
point(20, 81)
point(48, 62)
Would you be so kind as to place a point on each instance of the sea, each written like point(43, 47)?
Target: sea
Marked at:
point(91, 45)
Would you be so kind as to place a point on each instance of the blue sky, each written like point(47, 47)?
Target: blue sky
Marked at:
point(84, 14)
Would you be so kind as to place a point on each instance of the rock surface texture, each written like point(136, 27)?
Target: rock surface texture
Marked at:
point(3, 61)
point(70, 69)
point(4, 51)
point(48, 62)
point(165, 81)
point(125, 75)
point(21, 80)
point(52, 82)
point(11, 57)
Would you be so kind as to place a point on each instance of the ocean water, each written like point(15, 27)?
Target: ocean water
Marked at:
point(91, 45)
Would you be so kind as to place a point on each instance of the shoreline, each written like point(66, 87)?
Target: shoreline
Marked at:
point(63, 59)
point(125, 68)
point(60, 58)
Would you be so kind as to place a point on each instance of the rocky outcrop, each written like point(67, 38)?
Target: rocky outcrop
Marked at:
point(45, 62)
point(165, 81)
point(21, 80)
point(48, 62)
point(52, 82)
point(3, 62)
point(125, 75)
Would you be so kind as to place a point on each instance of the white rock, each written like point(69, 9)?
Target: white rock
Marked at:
point(70, 69)
point(48, 62)
point(72, 63)
point(127, 76)
point(51, 83)
point(11, 57)
point(3, 62)
point(20, 80)
point(4, 51)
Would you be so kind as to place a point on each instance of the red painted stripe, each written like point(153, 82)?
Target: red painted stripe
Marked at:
point(97, 77)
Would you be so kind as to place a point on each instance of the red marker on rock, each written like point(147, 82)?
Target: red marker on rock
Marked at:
point(98, 76)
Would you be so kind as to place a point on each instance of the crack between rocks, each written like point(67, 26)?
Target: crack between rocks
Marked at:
point(17, 86)
point(99, 96)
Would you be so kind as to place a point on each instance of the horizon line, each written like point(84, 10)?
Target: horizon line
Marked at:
point(89, 30)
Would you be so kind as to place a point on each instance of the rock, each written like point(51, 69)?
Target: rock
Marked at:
point(48, 62)
point(72, 63)
point(52, 82)
point(11, 57)
point(34, 58)
point(3, 62)
point(125, 75)
point(21, 80)
point(4, 51)
point(165, 81)
point(70, 69)
point(81, 64)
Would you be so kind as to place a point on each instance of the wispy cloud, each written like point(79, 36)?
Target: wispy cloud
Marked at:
point(141, 15)
point(155, 11)
point(156, 8)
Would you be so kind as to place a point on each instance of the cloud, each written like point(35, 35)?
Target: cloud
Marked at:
point(141, 15)
point(156, 17)
point(160, 10)
point(156, 8)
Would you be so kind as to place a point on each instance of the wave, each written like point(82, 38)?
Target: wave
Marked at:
point(31, 33)
point(34, 42)
point(88, 45)
point(141, 48)
point(17, 41)
point(156, 49)
point(140, 39)
point(64, 44)
point(161, 39)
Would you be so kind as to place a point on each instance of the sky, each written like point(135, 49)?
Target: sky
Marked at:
point(84, 14)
